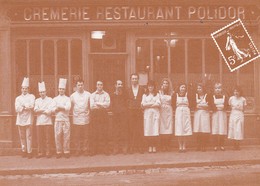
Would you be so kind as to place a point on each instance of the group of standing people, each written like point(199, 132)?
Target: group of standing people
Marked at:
point(143, 118)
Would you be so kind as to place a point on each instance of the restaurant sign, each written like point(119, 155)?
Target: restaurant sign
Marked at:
point(131, 13)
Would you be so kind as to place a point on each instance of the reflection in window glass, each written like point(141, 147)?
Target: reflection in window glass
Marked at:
point(160, 56)
point(142, 54)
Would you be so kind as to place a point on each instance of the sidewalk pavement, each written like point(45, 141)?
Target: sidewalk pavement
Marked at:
point(16, 165)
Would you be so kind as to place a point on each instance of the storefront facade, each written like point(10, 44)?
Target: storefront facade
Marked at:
point(109, 41)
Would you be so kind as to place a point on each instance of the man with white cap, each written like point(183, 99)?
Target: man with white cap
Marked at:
point(24, 107)
point(61, 108)
point(80, 101)
point(43, 109)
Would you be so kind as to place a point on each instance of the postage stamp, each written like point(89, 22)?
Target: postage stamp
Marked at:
point(235, 45)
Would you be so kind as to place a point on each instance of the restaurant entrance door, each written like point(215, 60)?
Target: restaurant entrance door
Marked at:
point(108, 69)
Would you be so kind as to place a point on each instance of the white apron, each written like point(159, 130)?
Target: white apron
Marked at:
point(219, 118)
point(166, 114)
point(182, 117)
point(236, 119)
point(151, 116)
point(201, 117)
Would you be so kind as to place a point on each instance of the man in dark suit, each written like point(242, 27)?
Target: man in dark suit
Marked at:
point(135, 115)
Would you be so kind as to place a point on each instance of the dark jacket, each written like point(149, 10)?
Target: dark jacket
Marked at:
point(132, 101)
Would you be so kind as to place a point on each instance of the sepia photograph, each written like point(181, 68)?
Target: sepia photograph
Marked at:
point(129, 92)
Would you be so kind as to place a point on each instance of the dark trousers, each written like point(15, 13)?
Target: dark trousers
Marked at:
point(202, 139)
point(119, 131)
point(81, 137)
point(99, 139)
point(218, 140)
point(136, 129)
point(44, 138)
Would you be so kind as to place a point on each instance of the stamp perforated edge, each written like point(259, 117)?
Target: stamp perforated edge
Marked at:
point(212, 35)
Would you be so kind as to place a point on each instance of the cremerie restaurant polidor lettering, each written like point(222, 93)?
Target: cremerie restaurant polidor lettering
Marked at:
point(108, 40)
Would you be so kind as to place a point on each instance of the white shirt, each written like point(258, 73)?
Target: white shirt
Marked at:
point(45, 104)
point(102, 99)
point(63, 101)
point(24, 116)
point(81, 107)
point(135, 90)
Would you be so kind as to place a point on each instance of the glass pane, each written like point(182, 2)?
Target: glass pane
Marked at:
point(177, 61)
point(195, 61)
point(62, 56)
point(246, 79)
point(48, 57)
point(142, 54)
point(160, 56)
point(76, 57)
point(35, 58)
point(20, 62)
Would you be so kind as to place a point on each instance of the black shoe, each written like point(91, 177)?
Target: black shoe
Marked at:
point(58, 156)
point(67, 155)
point(24, 154)
point(29, 155)
point(48, 155)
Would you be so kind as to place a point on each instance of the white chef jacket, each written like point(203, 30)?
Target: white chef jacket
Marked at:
point(63, 101)
point(81, 107)
point(24, 117)
point(45, 104)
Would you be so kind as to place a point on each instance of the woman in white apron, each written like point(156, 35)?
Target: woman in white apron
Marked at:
point(219, 117)
point(201, 118)
point(182, 117)
point(166, 114)
point(151, 103)
point(236, 119)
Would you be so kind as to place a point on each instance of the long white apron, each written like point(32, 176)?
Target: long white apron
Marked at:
point(236, 119)
point(201, 116)
point(182, 117)
point(151, 116)
point(166, 114)
point(219, 118)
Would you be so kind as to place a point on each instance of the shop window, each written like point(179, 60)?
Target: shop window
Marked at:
point(142, 55)
point(160, 56)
